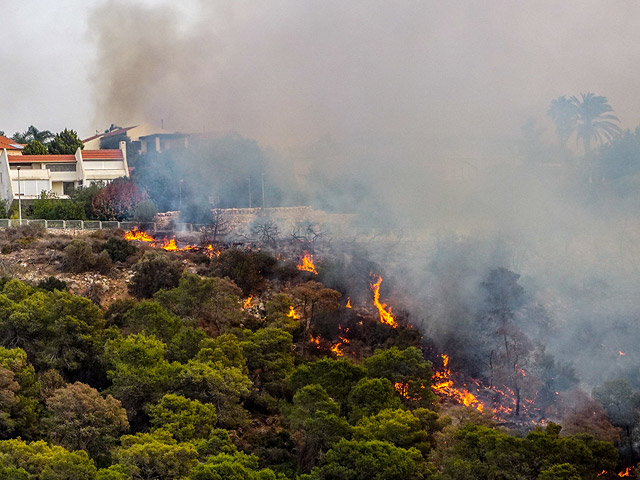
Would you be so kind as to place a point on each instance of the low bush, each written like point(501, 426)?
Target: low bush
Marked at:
point(52, 283)
point(78, 257)
point(154, 271)
point(119, 249)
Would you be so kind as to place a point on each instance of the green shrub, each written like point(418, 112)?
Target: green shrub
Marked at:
point(154, 271)
point(52, 283)
point(79, 257)
point(119, 249)
point(50, 207)
point(145, 211)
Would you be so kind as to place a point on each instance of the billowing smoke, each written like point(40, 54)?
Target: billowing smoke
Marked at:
point(410, 114)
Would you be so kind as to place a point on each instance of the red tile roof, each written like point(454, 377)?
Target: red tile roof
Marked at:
point(117, 131)
point(115, 154)
point(86, 155)
point(9, 144)
point(41, 158)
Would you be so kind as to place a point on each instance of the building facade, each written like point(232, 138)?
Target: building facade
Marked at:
point(28, 176)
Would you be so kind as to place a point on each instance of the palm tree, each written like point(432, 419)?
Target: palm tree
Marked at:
point(32, 133)
point(590, 116)
point(563, 113)
point(594, 120)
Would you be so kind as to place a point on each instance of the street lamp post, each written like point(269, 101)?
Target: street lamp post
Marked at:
point(19, 197)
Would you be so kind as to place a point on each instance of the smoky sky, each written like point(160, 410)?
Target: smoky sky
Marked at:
point(288, 72)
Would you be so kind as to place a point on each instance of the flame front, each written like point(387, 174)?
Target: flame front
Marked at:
point(443, 385)
point(348, 305)
point(247, 303)
point(292, 313)
point(139, 235)
point(306, 264)
point(385, 315)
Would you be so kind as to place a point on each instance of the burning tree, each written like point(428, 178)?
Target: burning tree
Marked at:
point(507, 349)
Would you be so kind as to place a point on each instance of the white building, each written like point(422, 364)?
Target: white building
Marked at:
point(58, 173)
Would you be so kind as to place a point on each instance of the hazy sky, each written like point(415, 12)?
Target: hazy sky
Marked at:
point(288, 72)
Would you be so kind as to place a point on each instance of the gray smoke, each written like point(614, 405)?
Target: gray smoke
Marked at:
point(410, 114)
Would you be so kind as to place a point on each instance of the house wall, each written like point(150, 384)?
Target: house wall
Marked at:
point(6, 190)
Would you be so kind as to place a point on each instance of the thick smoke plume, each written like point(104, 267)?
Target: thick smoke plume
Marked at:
point(410, 114)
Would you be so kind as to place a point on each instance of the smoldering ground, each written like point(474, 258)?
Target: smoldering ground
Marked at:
point(410, 114)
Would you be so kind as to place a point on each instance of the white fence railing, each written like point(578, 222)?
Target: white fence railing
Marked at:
point(98, 225)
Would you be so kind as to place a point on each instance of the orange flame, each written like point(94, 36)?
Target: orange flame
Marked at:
point(169, 245)
point(292, 313)
point(621, 353)
point(247, 303)
point(306, 264)
point(402, 389)
point(385, 315)
point(627, 473)
point(443, 385)
point(348, 305)
point(337, 348)
point(139, 235)
point(210, 251)
point(315, 340)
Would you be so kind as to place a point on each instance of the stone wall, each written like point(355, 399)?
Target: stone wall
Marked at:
point(241, 222)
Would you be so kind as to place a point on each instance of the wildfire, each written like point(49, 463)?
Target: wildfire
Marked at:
point(247, 303)
point(168, 245)
point(315, 340)
point(337, 348)
point(443, 385)
point(139, 235)
point(348, 305)
point(402, 389)
point(385, 315)
point(306, 264)
point(621, 353)
point(209, 251)
point(292, 313)
point(628, 472)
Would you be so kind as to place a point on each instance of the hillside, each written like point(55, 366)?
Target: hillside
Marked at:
point(176, 359)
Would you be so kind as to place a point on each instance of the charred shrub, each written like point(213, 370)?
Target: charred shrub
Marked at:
point(78, 257)
point(57, 243)
point(52, 283)
point(154, 271)
point(119, 249)
point(247, 269)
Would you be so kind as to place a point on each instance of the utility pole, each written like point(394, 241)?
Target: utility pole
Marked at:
point(262, 189)
point(180, 190)
point(249, 192)
point(19, 197)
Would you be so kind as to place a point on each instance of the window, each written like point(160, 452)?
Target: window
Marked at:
point(61, 167)
point(67, 187)
point(30, 187)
